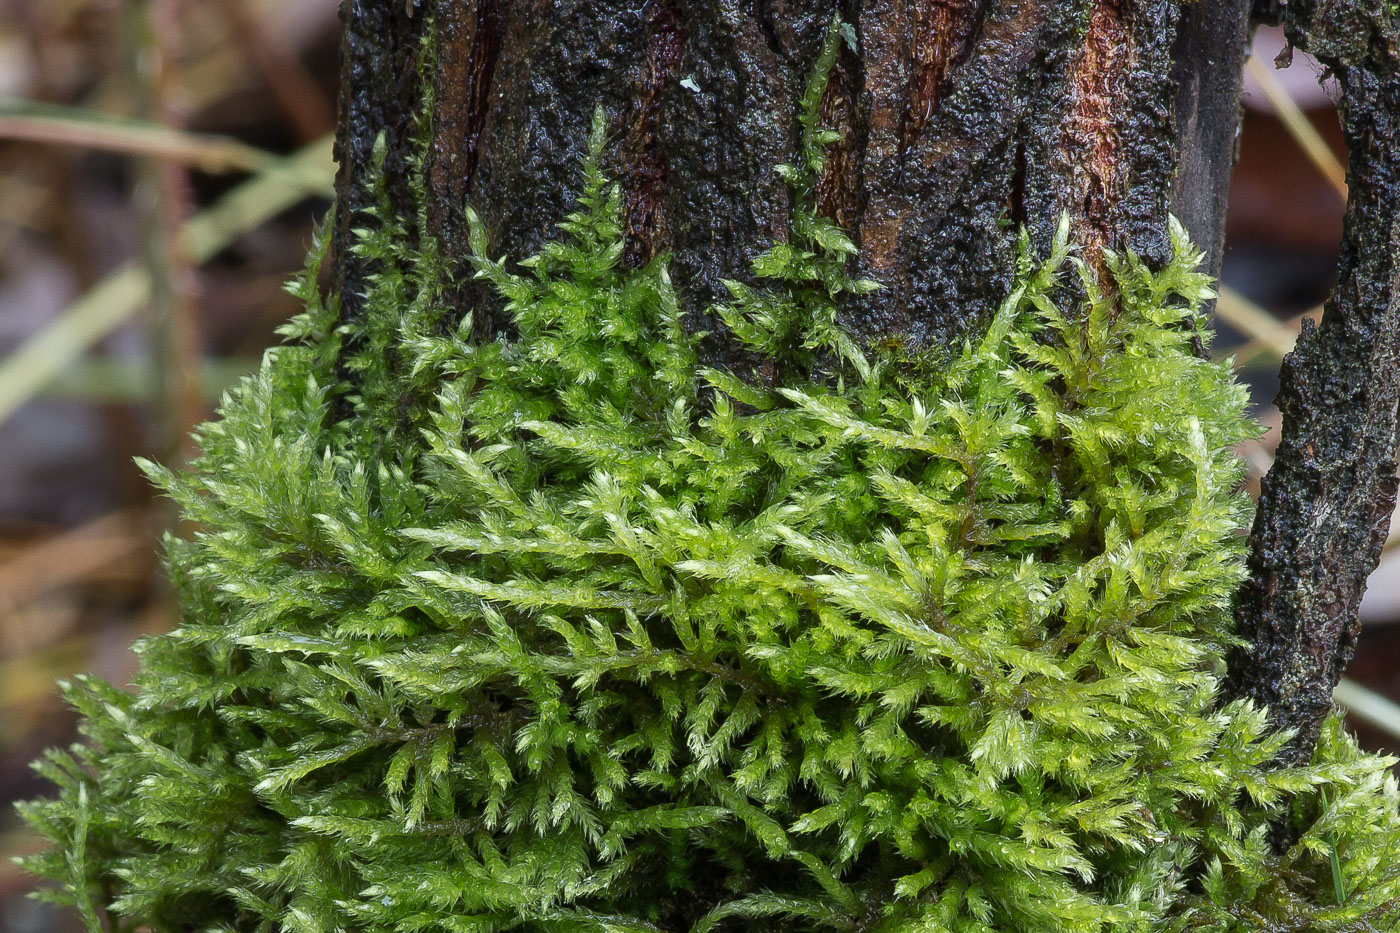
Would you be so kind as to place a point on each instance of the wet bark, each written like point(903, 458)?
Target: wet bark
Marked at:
point(380, 93)
point(962, 120)
point(1325, 507)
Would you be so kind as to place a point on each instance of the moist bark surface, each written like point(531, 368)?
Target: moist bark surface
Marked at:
point(961, 120)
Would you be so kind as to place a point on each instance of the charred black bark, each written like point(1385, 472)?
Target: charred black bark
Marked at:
point(963, 119)
point(1325, 507)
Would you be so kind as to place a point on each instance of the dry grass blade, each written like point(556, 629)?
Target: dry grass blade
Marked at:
point(88, 130)
point(1369, 707)
point(128, 381)
point(98, 312)
point(27, 684)
point(1248, 352)
point(1254, 322)
point(70, 556)
point(1299, 127)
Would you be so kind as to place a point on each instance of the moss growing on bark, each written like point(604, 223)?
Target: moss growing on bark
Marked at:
point(565, 632)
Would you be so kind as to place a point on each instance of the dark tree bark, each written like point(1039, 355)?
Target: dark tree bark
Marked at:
point(958, 115)
point(1325, 507)
point(962, 119)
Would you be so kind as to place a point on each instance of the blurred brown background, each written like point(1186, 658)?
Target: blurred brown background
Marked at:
point(162, 164)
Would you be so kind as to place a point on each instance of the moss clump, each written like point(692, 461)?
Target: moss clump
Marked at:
point(566, 632)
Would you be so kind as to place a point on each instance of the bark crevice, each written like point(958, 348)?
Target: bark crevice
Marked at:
point(644, 169)
point(467, 45)
point(1091, 137)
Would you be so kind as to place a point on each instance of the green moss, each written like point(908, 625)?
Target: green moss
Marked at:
point(568, 633)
